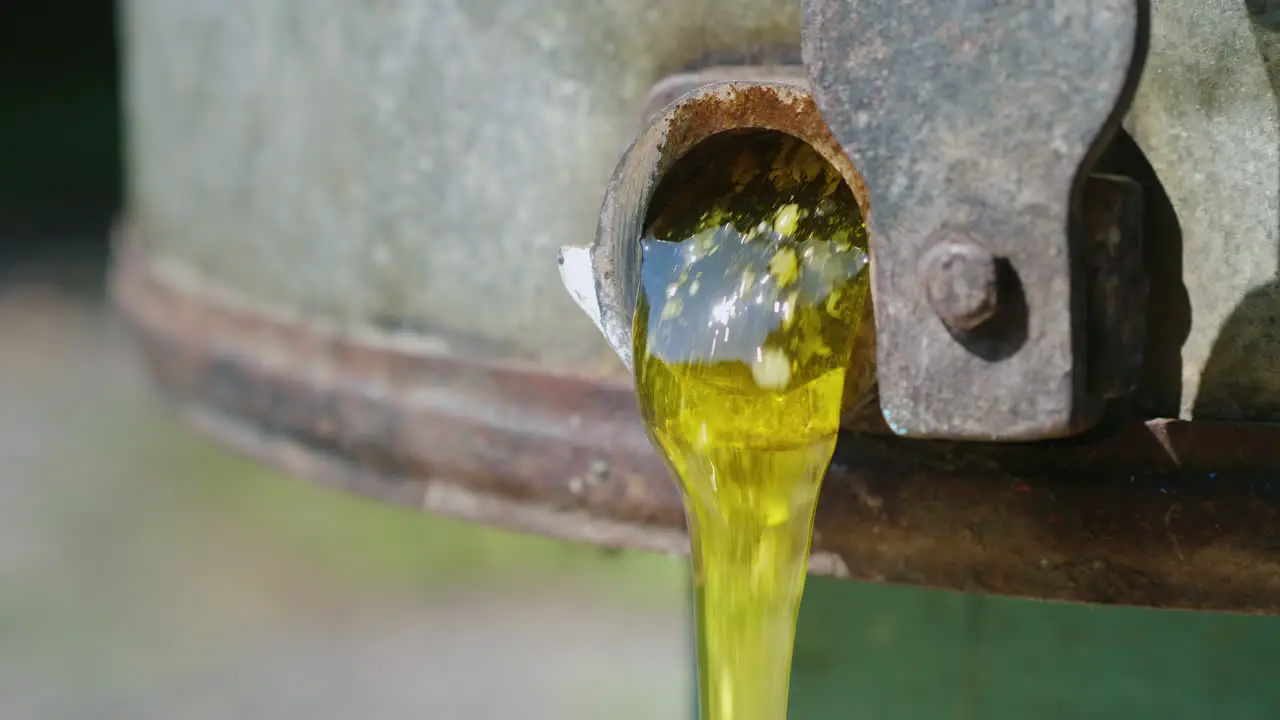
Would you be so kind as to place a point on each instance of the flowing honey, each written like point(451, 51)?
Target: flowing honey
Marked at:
point(753, 291)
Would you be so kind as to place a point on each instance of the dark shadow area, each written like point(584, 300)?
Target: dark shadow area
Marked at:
point(1244, 364)
point(1168, 320)
point(1005, 332)
point(1266, 13)
point(60, 159)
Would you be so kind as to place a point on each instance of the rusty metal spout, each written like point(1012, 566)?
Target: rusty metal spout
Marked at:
point(604, 278)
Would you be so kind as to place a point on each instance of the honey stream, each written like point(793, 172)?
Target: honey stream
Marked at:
point(754, 286)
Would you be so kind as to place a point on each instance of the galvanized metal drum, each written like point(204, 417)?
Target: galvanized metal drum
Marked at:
point(340, 257)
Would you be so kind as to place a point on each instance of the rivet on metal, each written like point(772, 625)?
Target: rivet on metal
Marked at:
point(960, 282)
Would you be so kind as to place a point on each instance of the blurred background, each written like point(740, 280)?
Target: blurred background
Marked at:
point(145, 573)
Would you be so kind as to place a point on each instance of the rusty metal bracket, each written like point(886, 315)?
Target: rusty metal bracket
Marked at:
point(975, 126)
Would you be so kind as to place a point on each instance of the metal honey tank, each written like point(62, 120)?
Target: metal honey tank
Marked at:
point(338, 257)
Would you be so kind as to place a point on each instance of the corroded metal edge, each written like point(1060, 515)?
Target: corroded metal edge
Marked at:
point(1162, 514)
point(673, 87)
point(783, 104)
point(710, 103)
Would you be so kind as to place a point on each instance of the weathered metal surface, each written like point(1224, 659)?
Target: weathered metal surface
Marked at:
point(384, 182)
point(1165, 514)
point(672, 88)
point(980, 120)
point(417, 421)
point(1207, 117)
point(408, 164)
point(411, 164)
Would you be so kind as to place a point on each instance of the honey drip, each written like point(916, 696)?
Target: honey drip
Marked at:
point(753, 294)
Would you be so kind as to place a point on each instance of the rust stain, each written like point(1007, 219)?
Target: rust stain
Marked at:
point(388, 419)
point(761, 106)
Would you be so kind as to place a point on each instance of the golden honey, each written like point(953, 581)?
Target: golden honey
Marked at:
point(753, 289)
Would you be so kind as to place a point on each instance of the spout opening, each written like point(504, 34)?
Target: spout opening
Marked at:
point(677, 144)
point(715, 166)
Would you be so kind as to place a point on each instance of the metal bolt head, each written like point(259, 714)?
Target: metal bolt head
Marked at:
point(959, 277)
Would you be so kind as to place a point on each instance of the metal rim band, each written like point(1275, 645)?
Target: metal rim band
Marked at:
point(1160, 514)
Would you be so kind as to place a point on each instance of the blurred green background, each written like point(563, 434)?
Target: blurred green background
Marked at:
point(146, 573)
